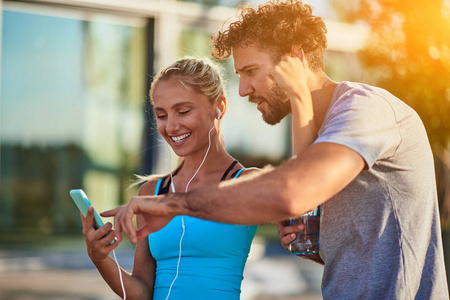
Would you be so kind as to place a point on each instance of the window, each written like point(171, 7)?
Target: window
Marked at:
point(72, 113)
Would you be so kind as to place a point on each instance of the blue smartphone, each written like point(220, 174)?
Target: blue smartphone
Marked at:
point(83, 203)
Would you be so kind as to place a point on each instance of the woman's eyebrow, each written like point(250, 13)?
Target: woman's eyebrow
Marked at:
point(179, 104)
point(176, 105)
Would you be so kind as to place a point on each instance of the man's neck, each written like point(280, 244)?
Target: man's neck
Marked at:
point(322, 89)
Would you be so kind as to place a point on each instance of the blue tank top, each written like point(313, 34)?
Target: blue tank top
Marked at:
point(213, 256)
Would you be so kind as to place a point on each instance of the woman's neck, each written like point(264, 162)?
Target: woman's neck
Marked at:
point(215, 158)
point(216, 162)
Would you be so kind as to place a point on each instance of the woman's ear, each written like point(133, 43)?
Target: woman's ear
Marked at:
point(222, 106)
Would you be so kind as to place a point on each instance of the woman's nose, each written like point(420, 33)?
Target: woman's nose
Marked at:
point(172, 124)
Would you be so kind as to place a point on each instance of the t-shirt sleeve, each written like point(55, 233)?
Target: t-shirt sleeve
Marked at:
point(364, 122)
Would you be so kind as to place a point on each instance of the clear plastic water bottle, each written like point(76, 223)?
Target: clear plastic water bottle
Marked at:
point(307, 240)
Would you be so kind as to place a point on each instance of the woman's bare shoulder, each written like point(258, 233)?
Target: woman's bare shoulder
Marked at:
point(148, 188)
point(248, 171)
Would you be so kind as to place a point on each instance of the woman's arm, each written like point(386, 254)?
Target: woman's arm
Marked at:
point(139, 284)
point(99, 247)
point(144, 268)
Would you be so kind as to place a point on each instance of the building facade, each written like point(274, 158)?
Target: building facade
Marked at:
point(74, 109)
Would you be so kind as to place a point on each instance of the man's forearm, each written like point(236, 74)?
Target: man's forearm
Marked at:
point(251, 200)
point(275, 194)
point(230, 202)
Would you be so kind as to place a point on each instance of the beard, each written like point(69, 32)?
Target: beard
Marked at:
point(278, 104)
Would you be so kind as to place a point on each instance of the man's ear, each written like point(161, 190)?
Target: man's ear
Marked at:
point(297, 51)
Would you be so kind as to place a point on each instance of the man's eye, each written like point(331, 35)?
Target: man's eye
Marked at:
point(182, 112)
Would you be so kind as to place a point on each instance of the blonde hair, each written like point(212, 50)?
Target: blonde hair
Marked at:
point(199, 75)
point(195, 74)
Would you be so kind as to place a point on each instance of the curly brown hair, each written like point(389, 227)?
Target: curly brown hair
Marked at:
point(275, 26)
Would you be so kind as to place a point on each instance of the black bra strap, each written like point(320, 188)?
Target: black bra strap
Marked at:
point(228, 170)
point(235, 173)
point(164, 189)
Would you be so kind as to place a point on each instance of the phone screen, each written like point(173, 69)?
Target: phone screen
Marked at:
point(83, 203)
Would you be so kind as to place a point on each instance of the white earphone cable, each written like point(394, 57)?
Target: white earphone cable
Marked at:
point(182, 219)
point(204, 158)
point(120, 276)
point(179, 257)
point(187, 185)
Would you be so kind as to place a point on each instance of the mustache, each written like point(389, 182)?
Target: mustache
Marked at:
point(252, 98)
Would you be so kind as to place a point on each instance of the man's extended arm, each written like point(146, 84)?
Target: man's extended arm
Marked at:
point(294, 188)
point(274, 194)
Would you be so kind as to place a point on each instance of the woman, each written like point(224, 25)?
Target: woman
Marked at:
point(189, 258)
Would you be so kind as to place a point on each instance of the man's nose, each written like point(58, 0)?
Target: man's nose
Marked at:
point(245, 88)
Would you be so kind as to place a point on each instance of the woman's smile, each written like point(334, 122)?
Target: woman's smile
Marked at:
point(180, 138)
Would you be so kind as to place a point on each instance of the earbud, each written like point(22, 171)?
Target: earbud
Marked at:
point(218, 113)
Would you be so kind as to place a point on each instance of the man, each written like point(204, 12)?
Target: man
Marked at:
point(370, 167)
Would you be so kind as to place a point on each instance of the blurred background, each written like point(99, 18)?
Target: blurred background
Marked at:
point(74, 113)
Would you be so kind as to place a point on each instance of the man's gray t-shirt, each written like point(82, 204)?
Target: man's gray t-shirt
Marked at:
point(380, 237)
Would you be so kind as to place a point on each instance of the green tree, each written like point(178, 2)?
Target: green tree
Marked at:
point(408, 53)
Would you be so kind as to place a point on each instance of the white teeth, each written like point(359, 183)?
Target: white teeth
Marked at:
point(179, 138)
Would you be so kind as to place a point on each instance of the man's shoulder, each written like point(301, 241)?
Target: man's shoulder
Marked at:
point(349, 89)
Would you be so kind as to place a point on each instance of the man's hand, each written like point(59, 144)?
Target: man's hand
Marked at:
point(287, 233)
point(154, 211)
point(290, 75)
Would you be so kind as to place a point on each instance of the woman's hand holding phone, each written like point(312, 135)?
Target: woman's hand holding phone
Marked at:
point(99, 242)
